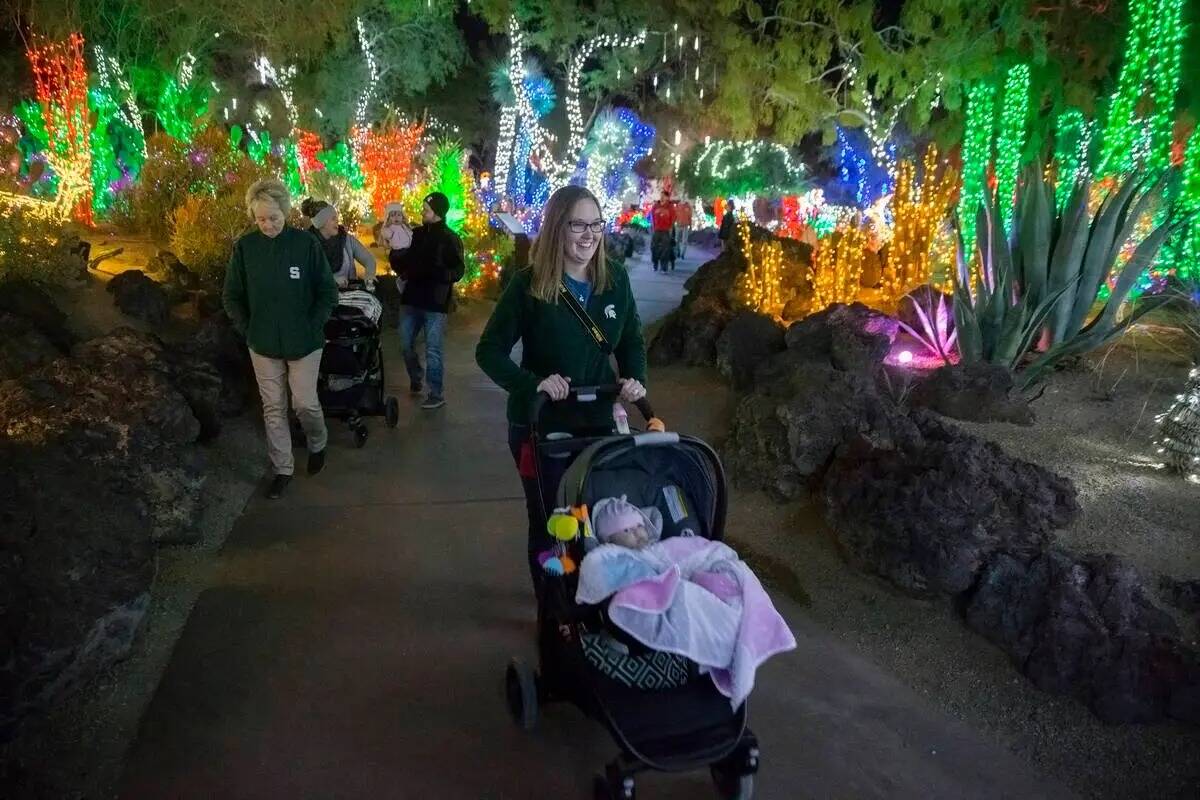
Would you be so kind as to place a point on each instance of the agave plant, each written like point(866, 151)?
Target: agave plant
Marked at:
point(995, 320)
point(934, 335)
point(1071, 257)
point(1044, 282)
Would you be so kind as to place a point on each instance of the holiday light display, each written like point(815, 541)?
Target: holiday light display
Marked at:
point(723, 168)
point(618, 140)
point(919, 213)
point(760, 284)
point(1150, 65)
point(837, 267)
point(269, 75)
point(60, 77)
point(387, 161)
point(976, 153)
point(259, 145)
point(1179, 431)
point(113, 81)
point(1072, 144)
point(577, 140)
point(1014, 130)
point(181, 101)
point(368, 92)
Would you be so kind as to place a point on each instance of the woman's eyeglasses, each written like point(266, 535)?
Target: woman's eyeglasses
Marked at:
point(579, 226)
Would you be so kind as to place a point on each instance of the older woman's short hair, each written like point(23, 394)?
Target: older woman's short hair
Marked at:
point(268, 189)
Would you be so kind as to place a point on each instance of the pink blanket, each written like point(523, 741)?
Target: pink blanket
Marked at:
point(692, 597)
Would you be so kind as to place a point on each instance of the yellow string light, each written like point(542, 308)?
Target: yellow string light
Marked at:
point(760, 286)
point(837, 267)
point(919, 213)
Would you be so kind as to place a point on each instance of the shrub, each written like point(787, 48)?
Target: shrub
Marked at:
point(205, 229)
point(36, 249)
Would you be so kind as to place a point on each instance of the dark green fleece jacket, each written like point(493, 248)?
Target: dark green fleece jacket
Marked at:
point(279, 293)
point(554, 342)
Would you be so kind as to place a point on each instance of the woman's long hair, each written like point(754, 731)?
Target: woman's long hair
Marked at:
point(546, 255)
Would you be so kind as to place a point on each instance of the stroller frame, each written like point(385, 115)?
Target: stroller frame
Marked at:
point(732, 753)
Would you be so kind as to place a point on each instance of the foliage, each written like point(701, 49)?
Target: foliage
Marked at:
point(204, 230)
point(175, 170)
point(1071, 256)
point(35, 248)
point(737, 169)
point(352, 204)
point(935, 334)
point(996, 322)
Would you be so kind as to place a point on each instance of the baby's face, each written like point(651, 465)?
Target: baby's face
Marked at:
point(395, 218)
point(633, 538)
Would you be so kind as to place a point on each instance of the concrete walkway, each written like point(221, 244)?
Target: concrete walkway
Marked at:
point(353, 642)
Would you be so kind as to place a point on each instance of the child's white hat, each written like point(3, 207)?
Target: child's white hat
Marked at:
point(613, 514)
point(390, 207)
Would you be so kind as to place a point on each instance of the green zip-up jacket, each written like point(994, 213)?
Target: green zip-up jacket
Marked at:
point(554, 342)
point(280, 292)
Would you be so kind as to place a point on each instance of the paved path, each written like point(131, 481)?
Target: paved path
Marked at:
point(353, 641)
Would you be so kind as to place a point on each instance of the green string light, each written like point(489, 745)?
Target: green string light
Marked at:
point(1072, 142)
point(1014, 131)
point(1152, 58)
point(340, 162)
point(291, 163)
point(976, 153)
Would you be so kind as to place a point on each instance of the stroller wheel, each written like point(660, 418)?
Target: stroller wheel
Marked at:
point(731, 786)
point(360, 436)
point(391, 411)
point(520, 690)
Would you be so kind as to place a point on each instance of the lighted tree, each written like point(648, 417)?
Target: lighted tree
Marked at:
point(737, 169)
point(919, 211)
point(60, 76)
point(387, 161)
point(618, 141)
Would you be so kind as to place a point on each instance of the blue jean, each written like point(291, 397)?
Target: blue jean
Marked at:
point(434, 324)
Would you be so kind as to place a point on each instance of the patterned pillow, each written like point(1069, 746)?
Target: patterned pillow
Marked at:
point(649, 671)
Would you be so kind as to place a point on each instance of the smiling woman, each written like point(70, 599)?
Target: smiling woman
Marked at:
point(573, 312)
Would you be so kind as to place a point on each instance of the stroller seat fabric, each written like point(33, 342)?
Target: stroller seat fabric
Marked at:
point(648, 671)
point(366, 303)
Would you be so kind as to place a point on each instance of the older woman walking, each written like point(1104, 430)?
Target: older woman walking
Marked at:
point(279, 292)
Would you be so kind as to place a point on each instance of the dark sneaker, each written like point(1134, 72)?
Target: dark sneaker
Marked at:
point(278, 484)
point(433, 402)
point(316, 462)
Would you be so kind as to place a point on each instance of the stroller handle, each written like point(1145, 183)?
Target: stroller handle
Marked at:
point(585, 394)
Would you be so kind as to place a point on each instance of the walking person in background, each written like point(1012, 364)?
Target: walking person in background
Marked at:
point(341, 247)
point(662, 238)
point(683, 227)
point(426, 273)
point(557, 350)
point(279, 292)
point(728, 223)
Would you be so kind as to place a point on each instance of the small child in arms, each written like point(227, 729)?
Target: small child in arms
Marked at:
point(396, 236)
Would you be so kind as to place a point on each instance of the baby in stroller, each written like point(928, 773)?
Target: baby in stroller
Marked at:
point(686, 596)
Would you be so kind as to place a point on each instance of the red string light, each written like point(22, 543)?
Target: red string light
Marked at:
point(387, 161)
point(60, 76)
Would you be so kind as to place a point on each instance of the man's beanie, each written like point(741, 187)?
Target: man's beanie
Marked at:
point(439, 203)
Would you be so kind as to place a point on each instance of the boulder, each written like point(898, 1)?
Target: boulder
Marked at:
point(851, 338)
point(975, 393)
point(34, 305)
point(217, 344)
point(1087, 628)
point(22, 346)
point(139, 296)
point(928, 509)
point(96, 468)
point(746, 342)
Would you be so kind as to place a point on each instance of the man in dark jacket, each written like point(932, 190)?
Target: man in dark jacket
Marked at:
point(428, 271)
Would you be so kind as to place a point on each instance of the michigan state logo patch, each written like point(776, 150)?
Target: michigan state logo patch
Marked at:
point(610, 312)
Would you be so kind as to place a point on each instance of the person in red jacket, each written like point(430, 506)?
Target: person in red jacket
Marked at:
point(662, 240)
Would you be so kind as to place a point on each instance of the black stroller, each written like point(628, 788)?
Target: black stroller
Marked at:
point(351, 384)
point(688, 725)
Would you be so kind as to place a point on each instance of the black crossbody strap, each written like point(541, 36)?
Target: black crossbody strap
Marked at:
point(584, 319)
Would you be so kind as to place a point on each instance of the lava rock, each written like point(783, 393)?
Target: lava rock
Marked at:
point(33, 304)
point(975, 393)
point(850, 338)
point(216, 343)
point(927, 511)
point(141, 297)
point(747, 340)
point(1087, 628)
point(22, 346)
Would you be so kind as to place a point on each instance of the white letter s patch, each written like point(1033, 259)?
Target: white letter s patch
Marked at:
point(294, 272)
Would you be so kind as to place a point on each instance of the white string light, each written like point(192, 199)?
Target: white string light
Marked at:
point(364, 99)
point(282, 79)
point(110, 72)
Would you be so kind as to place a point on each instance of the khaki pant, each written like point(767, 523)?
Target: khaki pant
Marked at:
point(275, 376)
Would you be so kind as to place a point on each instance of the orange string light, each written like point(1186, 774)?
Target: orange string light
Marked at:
point(61, 81)
point(387, 161)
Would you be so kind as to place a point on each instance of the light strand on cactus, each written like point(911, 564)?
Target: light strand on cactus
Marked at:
point(1014, 130)
point(1179, 431)
point(977, 152)
point(1150, 65)
point(760, 285)
point(919, 211)
point(60, 77)
point(837, 267)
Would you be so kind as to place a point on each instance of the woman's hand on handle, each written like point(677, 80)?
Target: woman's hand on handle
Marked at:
point(556, 386)
point(632, 390)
